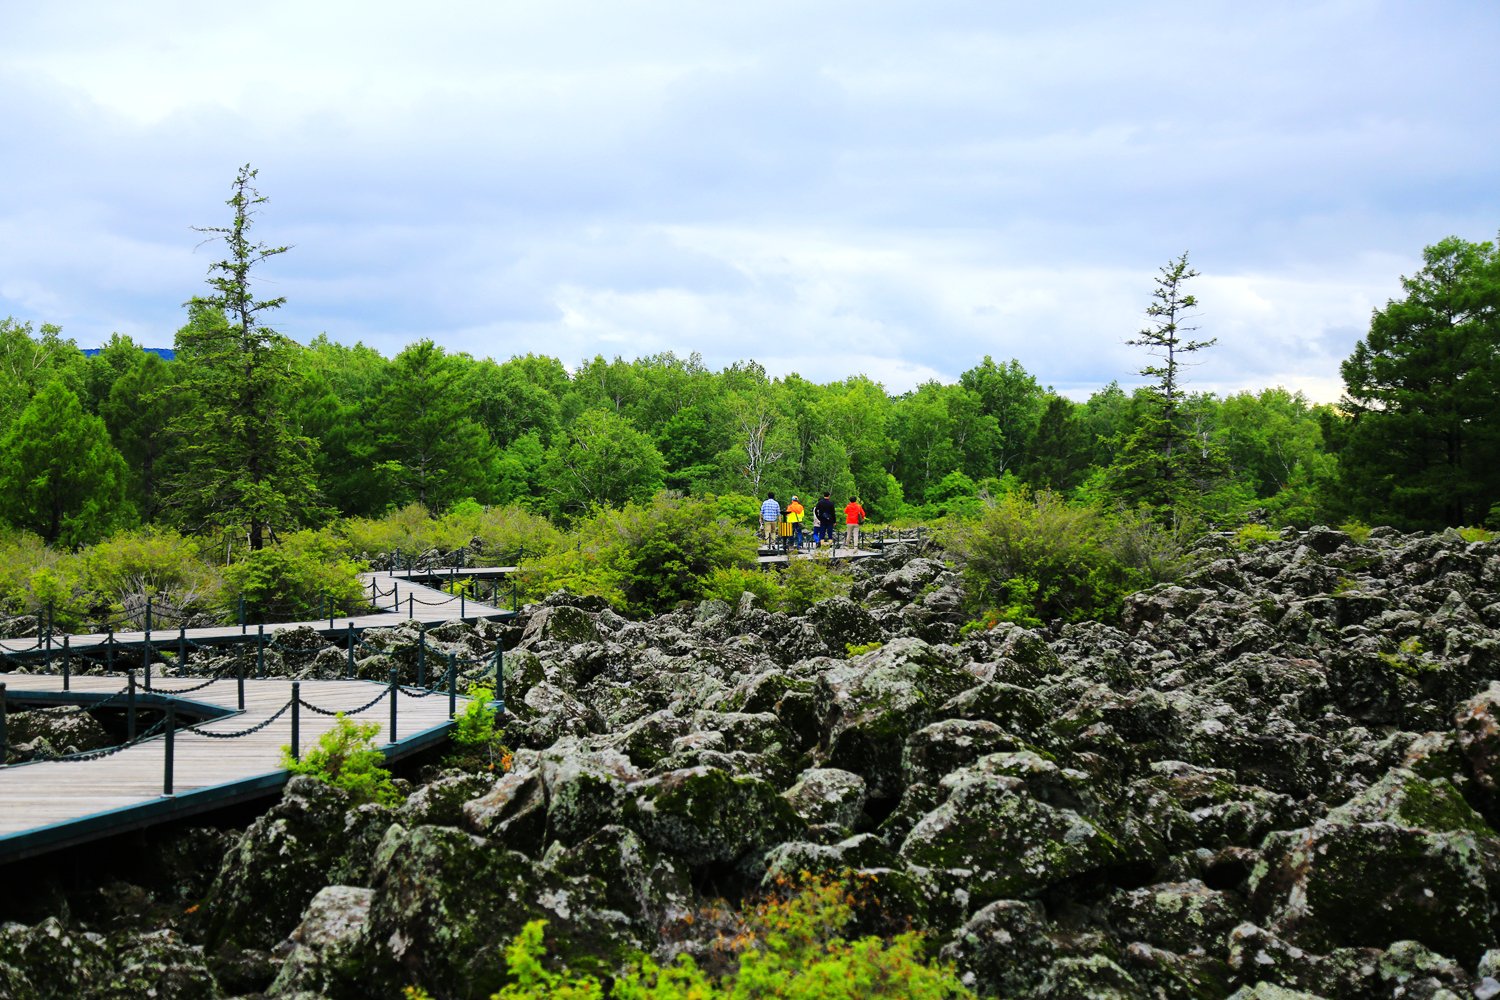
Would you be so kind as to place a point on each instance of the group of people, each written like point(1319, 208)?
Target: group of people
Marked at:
point(777, 522)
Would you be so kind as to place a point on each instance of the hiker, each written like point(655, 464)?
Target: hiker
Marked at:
point(823, 520)
point(794, 515)
point(770, 513)
point(854, 516)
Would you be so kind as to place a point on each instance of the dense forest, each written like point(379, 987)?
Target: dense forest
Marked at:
point(244, 438)
point(260, 435)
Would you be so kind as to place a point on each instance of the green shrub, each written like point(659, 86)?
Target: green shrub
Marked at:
point(346, 757)
point(1357, 530)
point(1252, 535)
point(859, 649)
point(727, 583)
point(1475, 535)
point(645, 558)
point(107, 580)
point(296, 578)
point(805, 582)
point(477, 742)
point(1031, 559)
point(788, 948)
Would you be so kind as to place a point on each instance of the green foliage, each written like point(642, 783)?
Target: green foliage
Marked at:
point(1251, 535)
point(1035, 558)
point(646, 557)
point(345, 756)
point(790, 948)
point(603, 460)
point(428, 448)
point(293, 580)
point(1357, 530)
point(60, 476)
point(245, 468)
point(793, 589)
point(804, 582)
point(503, 532)
point(727, 583)
point(1476, 534)
point(1409, 658)
point(1423, 448)
point(478, 743)
point(854, 649)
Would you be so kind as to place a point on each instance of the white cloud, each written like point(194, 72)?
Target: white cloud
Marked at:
point(904, 187)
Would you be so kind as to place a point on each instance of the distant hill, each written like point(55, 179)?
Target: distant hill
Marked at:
point(166, 353)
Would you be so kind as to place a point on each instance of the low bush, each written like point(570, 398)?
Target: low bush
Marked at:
point(1034, 558)
point(477, 742)
point(346, 757)
point(792, 947)
point(300, 578)
point(645, 558)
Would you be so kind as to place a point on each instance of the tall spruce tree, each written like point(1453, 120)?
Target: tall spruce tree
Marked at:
point(1163, 463)
point(245, 468)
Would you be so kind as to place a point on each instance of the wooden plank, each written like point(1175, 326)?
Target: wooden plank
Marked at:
point(48, 796)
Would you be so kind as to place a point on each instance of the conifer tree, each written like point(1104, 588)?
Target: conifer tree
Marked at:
point(1162, 463)
point(245, 468)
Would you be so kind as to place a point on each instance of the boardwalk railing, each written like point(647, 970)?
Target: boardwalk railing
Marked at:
point(490, 667)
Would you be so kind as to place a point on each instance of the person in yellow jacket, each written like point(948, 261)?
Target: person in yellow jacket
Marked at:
point(794, 515)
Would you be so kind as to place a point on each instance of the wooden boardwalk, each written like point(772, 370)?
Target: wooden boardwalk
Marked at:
point(396, 600)
point(52, 804)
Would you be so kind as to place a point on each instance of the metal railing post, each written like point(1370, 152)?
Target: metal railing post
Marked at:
point(166, 783)
point(408, 606)
point(146, 661)
point(182, 650)
point(260, 652)
point(2, 724)
point(296, 720)
point(452, 685)
point(67, 664)
point(109, 650)
point(47, 640)
point(239, 681)
point(396, 596)
point(461, 608)
point(328, 600)
point(351, 650)
point(395, 690)
point(130, 708)
point(421, 655)
point(242, 614)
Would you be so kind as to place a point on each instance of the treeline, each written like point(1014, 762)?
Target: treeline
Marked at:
point(302, 435)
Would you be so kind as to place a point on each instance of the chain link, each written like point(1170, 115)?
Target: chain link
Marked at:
point(243, 732)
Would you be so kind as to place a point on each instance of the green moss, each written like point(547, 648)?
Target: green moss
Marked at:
point(1438, 806)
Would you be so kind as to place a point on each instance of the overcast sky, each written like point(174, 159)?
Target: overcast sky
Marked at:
point(890, 188)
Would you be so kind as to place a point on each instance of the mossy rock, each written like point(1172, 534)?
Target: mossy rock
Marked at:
point(1368, 884)
point(157, 964)
point(1010, 827)
point(1003, 949)
point(441, 802)
point(60, 963)
point(647, 886)
point(288, 854)
point(828, 796)
point(445, 903)
point(707, 816)
point(1176, 916)
point(945, 746)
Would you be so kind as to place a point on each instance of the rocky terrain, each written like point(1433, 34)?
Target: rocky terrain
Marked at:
point(1278, 779)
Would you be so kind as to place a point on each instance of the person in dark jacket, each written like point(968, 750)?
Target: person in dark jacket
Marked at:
point(823, 516)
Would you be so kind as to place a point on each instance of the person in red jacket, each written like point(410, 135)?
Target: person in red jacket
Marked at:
point(854, 516)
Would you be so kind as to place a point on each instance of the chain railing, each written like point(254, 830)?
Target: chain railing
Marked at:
point(491, 666)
